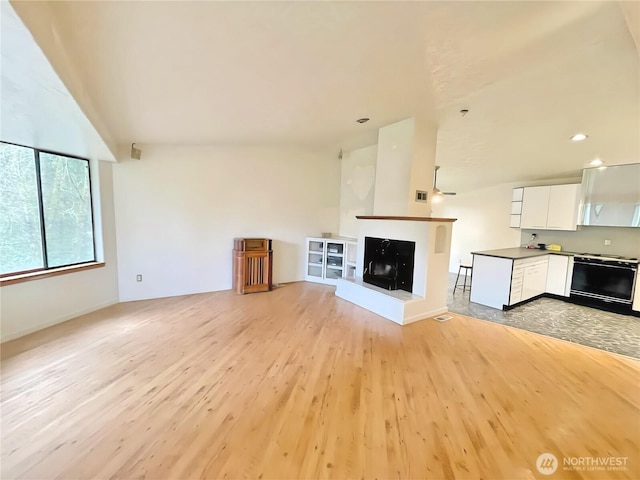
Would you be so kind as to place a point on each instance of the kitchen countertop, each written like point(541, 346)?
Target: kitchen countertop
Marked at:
point(520, 252)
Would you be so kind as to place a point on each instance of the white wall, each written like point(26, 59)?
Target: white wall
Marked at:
point(30, 306)
point(357, 188)
point(179, 208)
point(483, 222)
point(483, 219)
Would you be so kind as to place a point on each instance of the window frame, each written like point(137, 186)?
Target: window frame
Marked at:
point(43, 231)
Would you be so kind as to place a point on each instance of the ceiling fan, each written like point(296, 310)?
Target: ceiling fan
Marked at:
point(436, 190)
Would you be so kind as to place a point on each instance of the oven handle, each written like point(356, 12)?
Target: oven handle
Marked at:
point(633, 269)
point(626, 301)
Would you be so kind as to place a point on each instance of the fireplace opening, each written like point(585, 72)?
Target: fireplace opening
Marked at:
point(389, 263)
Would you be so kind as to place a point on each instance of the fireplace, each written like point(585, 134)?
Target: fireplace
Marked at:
point(389, 263)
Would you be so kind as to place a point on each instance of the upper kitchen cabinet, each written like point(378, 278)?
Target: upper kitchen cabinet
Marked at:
point(516, 207)
point(553, 207)
point(564, 204)
point(535, 207)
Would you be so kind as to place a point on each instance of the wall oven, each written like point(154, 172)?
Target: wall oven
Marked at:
point(604, 280)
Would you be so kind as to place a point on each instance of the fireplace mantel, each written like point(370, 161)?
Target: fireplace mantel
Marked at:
point(412, 219)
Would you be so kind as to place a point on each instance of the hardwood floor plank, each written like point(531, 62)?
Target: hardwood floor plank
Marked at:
point(296, 383)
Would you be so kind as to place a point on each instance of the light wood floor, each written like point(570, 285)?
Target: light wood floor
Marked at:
point(297, 383)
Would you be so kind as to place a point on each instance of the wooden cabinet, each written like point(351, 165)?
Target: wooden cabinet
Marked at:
point(329, 259)
point(252, 265)
point(553, 207)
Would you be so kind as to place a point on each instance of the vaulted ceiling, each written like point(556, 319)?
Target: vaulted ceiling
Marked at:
point(530, 73)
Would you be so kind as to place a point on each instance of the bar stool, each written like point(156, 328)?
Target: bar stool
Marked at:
point(467, 268)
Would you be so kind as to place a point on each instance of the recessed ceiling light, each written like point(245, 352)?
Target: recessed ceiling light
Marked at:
point(362, 120)
point(596, 162)
point(578, 137)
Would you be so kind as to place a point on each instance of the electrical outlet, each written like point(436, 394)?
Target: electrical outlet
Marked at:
point(607, 243)
point(138, 278)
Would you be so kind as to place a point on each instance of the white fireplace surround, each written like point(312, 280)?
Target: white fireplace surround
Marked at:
point(432, 237)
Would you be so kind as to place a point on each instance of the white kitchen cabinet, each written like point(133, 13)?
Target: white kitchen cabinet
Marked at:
point(491, 286)
point(517, 275)
point(567, 288)
point(497, 282)
point(636, 295)
point(517, 194)
point(551, 207)
point(564, 201)
point(534, 276)
point(535, 207)
point(557, 274)
point(329, 259)
point(516, 207)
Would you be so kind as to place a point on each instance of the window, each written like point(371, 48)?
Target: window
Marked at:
point(46, 216)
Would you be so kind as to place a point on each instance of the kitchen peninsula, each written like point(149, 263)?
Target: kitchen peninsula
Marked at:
point(507, 277)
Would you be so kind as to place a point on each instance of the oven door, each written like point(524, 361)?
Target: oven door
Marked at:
point(603, 282)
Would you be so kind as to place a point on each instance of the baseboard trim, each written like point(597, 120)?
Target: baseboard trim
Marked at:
point(50, 323)
point(425, 316)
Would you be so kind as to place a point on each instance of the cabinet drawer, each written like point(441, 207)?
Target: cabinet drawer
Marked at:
point(517, 274)
point(533, 269)
point(525, 262)
point(515, 296)
point(540, 261)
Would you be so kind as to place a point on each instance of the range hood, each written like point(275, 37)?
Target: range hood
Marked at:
point(611, 196)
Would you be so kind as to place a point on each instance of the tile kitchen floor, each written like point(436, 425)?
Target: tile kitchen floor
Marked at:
point(588, 326)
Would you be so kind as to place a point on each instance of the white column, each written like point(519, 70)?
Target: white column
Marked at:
point(405, 163)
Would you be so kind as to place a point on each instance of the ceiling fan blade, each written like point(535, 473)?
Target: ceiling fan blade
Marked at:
point(436, 190)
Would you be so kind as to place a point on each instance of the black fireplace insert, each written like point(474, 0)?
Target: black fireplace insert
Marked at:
point(389, 263)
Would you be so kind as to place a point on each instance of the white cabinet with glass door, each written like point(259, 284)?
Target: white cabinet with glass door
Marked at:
point(329, 259)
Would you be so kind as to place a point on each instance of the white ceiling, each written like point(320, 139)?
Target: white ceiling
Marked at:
point(531, 74)
point(530, 82)
point(36, 109)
